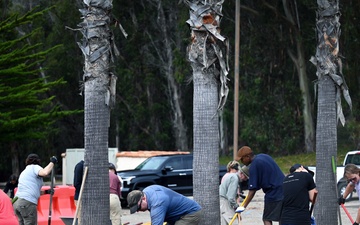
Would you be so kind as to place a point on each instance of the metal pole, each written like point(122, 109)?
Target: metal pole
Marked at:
point(236, 77)
point(51, 194)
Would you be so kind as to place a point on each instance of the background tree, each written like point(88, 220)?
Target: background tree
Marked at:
point(27, 109)
point(330, 86)
point(210, 92)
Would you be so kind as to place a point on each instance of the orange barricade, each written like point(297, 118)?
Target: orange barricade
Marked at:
point(62, 205)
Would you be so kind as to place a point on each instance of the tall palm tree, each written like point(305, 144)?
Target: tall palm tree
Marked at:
point(330, 83)
point(99, 88)
point(209, 73)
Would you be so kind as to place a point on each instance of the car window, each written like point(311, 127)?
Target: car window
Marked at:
point(356, 159)
point(152, 163)
point(188, 162)
point(176, 163)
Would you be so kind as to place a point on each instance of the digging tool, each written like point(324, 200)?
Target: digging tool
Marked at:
point(237, 215)
point(14, 199)
point(51, 194)
point(347, 213)
point(336, 189)
point(80, 195)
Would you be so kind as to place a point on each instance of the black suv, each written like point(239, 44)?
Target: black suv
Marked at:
point(172, 171)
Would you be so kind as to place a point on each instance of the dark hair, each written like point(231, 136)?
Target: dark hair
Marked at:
point(32, 159)
point(112, 166)
point(13, 177)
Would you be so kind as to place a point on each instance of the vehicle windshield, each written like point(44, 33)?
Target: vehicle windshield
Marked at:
point(152, 163)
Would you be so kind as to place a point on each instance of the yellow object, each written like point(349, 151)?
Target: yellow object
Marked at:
point(238, 214)
point(149, 223)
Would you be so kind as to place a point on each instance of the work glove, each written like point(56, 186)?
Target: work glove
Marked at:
point(341, 200)
point(53, 159)
point(240, 209)
point(355, 223)
point(50, 191)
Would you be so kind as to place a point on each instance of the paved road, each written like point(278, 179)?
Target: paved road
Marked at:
point(251, 216)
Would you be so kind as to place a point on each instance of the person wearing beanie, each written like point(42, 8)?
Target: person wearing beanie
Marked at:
point(29, 189)
point(264, 174)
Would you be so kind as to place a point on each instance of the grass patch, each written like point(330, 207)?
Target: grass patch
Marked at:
point(285, 162)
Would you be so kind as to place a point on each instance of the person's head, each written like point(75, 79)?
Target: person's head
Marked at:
point(300, 168)
point(233, 166)
point(13, 179)
point(244, 173)
point(112, 167)
point(245, 155)
point(137, 201)
point(32, 159)
point(351, 173)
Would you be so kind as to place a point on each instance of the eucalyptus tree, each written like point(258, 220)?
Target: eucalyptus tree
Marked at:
point(164, 56)
point(99, 91)
point(330, 85)
point(210, 72)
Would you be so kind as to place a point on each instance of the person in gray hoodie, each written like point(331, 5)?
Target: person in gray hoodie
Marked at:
point(228, 191)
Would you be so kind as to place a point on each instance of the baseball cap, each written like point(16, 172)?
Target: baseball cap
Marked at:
point(297, 166)
point(243, 151)
point(133, 199)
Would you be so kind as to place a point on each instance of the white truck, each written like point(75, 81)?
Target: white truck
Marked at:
point(351, 157)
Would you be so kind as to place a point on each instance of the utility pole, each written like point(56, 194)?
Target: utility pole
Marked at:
point(236, 77)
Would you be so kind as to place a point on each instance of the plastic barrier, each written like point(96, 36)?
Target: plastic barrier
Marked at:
point(62, 205)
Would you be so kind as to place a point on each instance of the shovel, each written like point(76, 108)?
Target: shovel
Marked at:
point(347, 213)
point(51, 194)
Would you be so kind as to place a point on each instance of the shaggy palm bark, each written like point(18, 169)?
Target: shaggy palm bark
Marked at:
point(98, 90)
point(209, 73)
point(330, 83)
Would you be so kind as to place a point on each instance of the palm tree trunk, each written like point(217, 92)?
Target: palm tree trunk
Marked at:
point(206, 145)
point(97, 83)
point(327, 62)
point(209, 68)
point(326, 147)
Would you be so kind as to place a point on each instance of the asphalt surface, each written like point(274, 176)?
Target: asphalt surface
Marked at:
point(251, 216)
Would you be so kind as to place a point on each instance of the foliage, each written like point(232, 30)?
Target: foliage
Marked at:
point(27, 109)
point(270, 103)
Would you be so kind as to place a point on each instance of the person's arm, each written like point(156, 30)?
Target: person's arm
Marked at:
point(47, 170)
point(349, 188)
point(311, 194)
point(157, 215)
point(6, 189)
point(249, 197)
point(232, 192)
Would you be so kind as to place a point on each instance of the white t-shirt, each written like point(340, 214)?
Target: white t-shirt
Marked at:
point(30, 184)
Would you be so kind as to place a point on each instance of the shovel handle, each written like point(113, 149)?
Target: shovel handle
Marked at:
point(347, 213)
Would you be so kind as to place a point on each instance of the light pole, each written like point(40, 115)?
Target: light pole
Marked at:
point(236, 77)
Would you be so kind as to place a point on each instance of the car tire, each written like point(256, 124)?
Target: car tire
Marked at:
point(341, 190)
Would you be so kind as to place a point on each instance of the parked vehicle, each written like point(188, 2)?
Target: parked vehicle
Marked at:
point(351, 157)
point(172, 171)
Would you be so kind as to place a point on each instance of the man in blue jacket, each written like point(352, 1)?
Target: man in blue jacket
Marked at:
point(165, 205)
